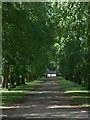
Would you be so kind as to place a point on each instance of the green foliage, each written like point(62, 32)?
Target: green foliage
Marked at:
point(25, 39)
point(37, 36)
point(71, 28)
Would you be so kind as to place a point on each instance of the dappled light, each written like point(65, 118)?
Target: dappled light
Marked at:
point(48, 101)
point(44, 60)
point(78, 91)
point(62, 106)
point(62, 114)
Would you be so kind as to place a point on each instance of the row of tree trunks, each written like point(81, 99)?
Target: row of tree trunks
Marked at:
point(11, 81)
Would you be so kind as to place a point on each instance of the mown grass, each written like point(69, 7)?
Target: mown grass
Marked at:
point(17, 94)
point(78, 94)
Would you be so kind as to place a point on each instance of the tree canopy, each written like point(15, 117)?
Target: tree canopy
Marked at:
point(41, 36)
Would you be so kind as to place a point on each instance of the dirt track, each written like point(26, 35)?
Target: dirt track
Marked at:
point(47, 102)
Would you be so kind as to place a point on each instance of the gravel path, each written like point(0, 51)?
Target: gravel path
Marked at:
point(47, 102)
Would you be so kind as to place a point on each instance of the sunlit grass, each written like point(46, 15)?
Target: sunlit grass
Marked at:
point(9, 97)
point(17, 94)
point(78, 94)
point(78, 91)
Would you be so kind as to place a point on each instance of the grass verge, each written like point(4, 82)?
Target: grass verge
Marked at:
point(78, 94)
point(17, 94)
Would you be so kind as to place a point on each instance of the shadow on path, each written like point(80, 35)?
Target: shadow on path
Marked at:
point(47, 102)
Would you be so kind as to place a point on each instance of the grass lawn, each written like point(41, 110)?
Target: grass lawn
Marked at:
point(17, 94)
point(77, 93)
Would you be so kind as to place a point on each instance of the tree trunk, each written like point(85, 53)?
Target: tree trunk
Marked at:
point(5, 76)
point(23, 80)
point(18, 80)
point(12, 81)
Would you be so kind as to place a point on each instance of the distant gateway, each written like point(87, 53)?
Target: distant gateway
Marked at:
point(51, 74)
